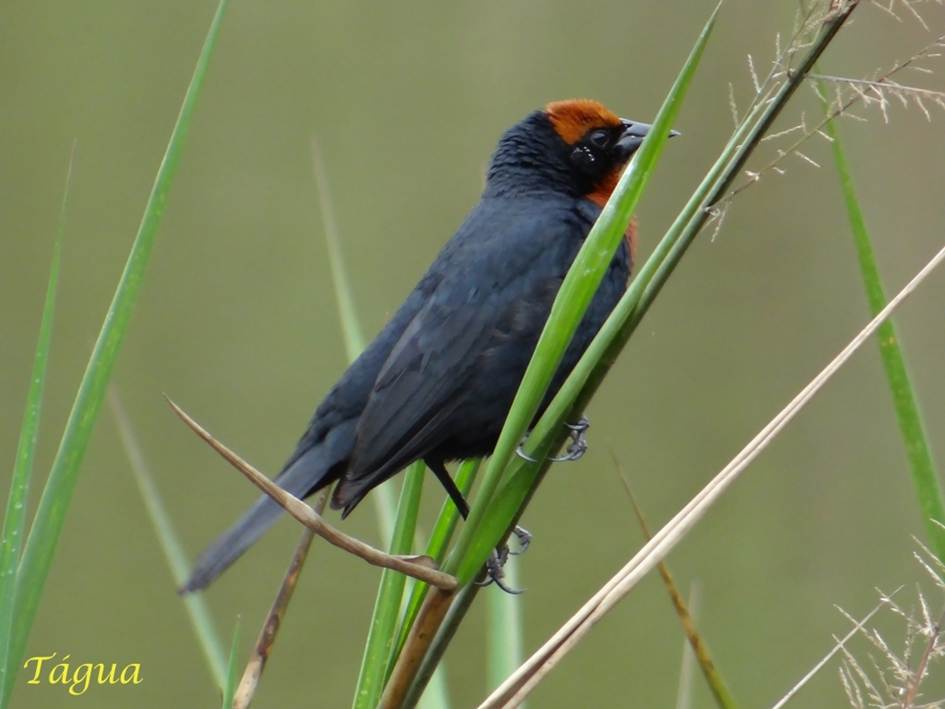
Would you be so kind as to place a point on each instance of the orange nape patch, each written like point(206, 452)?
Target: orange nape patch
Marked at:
point(572, 119)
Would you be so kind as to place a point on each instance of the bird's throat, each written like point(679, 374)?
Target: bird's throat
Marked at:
point(600, 196)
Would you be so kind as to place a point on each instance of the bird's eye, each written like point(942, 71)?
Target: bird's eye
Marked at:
point(599, 138)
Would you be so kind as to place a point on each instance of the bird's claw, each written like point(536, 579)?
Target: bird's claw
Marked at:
point(495, 572)
point(524, 540)
point(578, 446)
point(495, 566)
point(520, 452)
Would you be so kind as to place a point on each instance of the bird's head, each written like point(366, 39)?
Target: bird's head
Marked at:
point(577, 146)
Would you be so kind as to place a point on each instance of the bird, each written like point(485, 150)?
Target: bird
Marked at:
point(438, 380)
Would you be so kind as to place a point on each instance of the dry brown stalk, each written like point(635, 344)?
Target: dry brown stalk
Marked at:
point(839, 644)
point(699, 649)
point(267, 634)
point(428, 621)
point(419, 567)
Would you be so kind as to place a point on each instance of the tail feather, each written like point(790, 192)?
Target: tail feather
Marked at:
point(309, 472)
point(230, 545)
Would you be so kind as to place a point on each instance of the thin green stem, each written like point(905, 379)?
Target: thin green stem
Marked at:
point(436, 547)
point(382, 633)
point(918, 451)
point(382, 497)
point(232, 669)
point(351, 328)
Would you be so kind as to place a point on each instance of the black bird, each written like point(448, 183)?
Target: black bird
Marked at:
point(437, 382)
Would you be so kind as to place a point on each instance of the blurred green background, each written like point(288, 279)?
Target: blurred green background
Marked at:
point(238, 323)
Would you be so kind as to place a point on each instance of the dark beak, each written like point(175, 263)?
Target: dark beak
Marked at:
point(633, 134)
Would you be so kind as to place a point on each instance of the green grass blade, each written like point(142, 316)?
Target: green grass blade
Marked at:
point(50, 516)
point(474, 545)
point(231, 681)
point(385, 509)
point(436, 547)
point(195, 603)
point(348, 314)
point(382, 633)
point(924, 474)
point(382, 496)
point(14, 519)
point(436, 695)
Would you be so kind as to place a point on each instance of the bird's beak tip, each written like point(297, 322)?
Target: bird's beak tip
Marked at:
point(640, 130)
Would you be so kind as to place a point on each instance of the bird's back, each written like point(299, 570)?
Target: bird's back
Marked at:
point(438, 380)
point(447, 385)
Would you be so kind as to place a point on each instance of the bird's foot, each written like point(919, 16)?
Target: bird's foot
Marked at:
point(524, 540)
point(520, 452)
point(495, 573)
point(578, 446)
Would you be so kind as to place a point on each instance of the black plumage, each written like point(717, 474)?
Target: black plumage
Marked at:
point(438, 380)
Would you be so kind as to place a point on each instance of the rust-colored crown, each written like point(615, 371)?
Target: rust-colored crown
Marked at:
point(572, 119)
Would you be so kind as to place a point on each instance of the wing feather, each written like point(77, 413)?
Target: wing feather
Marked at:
point(490, 270)
point(426, 369)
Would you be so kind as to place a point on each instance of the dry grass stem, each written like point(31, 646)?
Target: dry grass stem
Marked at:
point(267, 634)
point(908, 5)
point(876, 91)
point(455, 614)
point(700, 650)
point(895, 678)
point(514, 690)
point(428, 621)
point(838, 646)
point(684, 690)
point(419, 567)
point(895, 683)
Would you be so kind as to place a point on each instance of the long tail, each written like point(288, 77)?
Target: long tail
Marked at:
point(309, 472)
